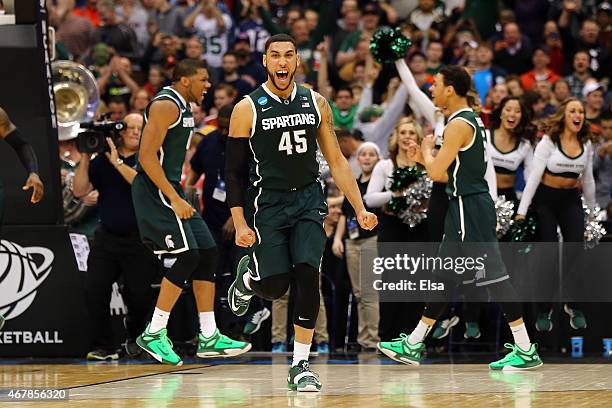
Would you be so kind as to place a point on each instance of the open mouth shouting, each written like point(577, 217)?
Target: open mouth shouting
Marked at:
point(511, 123)
point(282, 77)
point(577, 123)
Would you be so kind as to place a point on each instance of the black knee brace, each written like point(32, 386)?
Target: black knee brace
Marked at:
point(183, 267)
point(207, 267)
point(505, 295)
point(272, 287)
point(308, 296)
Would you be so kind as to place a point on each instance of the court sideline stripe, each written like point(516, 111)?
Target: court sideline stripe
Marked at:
point(138, 376)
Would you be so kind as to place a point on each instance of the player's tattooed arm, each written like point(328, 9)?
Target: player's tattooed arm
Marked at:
point(340, 169)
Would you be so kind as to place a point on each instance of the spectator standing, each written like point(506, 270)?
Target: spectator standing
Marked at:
point(369, 22)
point(117, 250)
point(434, 53)
point(428, 22)
point(540, 71)
point(561, 91)
point(602, 163)
point(486, 75)
point(213, 27)
point(229, 75)
point(580, 73)
point(77, 33)
point(135, 16)
point(593, 94)
point(513, 53)
point(169, 20)
point(114, 33)
point(349, 239)
point(116, 81)
point(250, 66)
point(552, 40)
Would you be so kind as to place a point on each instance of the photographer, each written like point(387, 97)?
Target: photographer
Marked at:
point(117, 249)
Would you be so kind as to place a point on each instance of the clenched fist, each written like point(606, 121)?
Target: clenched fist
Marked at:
point(367, 220)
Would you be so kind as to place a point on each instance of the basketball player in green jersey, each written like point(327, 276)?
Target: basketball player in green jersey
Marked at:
point(169, 224)
point(276, 129)
point(469, 226)
point(12, 135)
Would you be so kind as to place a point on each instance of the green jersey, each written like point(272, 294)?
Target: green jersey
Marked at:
point(284, 139)
point(172, 151)
point(466, 173)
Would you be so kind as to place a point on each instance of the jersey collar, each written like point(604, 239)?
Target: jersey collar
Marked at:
point(451, 117)
point(177, 93)
point(276, 97)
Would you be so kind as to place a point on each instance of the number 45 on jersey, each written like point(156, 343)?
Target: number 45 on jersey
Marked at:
point(287, 143)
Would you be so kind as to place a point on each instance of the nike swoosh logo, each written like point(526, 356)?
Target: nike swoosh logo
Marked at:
point(266, 109)
point(301, 318)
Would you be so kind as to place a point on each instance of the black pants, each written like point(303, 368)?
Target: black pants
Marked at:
point(563, 208)
point(113, 257)
point(397, 317)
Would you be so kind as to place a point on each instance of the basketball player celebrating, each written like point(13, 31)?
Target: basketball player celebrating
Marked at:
point(169, 224)
point(470, 219)
point(10, 134)
point(281, 216)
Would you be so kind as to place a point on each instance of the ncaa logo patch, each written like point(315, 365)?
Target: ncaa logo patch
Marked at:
point(262, 101)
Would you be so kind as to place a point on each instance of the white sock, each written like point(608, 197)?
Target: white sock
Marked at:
point(300, 352)
point(419, 333)
point(521, 338)
point(245, 279)
point(207, 323)
point(159, 320)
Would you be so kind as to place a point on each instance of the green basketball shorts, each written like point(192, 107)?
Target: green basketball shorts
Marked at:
point(160, 228)
point(469, 233)
point(288, 226)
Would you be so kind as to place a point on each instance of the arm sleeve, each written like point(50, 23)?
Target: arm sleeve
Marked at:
point(528, 160)
point(588, 182)
point(417, 97)
point(542, 152)
point(364, 101)
point(375, 197)
point(236, 155)
point(24, 151)
point(491, 179)
point(385, 124)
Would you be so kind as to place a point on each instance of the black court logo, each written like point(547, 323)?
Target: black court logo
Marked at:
point(22, 271)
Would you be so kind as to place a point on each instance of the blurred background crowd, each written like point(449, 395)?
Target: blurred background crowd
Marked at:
point(542, 51)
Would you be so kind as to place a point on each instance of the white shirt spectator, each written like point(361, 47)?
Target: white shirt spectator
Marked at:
point(214, 41)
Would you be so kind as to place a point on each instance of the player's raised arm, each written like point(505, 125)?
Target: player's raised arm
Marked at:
point(237, 155)
point(457, 135)
point(340, 169)
point(162, 114)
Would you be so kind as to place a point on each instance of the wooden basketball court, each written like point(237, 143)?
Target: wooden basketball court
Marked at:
point(260, 381)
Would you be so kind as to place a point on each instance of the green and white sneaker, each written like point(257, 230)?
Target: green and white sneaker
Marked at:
point(300, 378)
point(159, 346)
point(238, 296)
point(402, 351)
point(517, 359)
point(219, 345)
point(443, 327)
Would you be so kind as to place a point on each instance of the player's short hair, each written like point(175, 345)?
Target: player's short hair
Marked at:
point(187, 68)
point(279, 38)
point(458, 78)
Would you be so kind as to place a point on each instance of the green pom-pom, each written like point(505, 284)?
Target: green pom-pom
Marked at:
point(523, 230)
point(397, 205)
point(403, 177)
point(389, 44)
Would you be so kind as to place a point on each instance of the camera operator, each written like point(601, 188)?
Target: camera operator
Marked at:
point(117, 250)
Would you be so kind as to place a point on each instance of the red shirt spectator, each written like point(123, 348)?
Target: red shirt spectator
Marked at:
point(540, 71)
point(90, 12)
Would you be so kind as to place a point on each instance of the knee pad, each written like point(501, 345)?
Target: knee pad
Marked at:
point(207, 266)
point(308, 296)
point(272, 287)
point(183, 266)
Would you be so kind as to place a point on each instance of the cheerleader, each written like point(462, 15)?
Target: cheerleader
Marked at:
point(563, 155)
point(509, 144)
point(394, 318)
